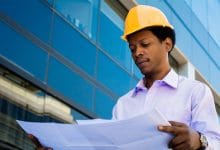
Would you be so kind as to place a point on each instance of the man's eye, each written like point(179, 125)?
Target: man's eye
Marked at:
point(145, 44)
point(132, 48)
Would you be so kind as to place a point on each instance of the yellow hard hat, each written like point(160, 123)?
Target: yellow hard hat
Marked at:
point(142, 16)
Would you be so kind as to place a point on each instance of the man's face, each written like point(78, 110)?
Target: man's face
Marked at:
point(148, 52)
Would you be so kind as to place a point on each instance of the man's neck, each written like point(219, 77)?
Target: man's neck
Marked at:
point(150, 78)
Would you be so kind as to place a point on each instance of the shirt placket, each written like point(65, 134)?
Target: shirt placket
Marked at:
point(150, 99)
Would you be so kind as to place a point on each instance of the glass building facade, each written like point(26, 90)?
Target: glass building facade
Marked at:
point(62, 60)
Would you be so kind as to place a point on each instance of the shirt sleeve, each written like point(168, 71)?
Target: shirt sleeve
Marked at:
point(114, 114)
point(117, 110)
point(204, 115)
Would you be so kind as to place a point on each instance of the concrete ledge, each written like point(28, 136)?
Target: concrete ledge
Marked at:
point(128, 3)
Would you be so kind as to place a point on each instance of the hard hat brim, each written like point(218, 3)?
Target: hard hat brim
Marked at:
point(124, 36)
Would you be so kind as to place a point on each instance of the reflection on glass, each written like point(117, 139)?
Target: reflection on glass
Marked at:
point(19, 100)
point(81, 13)
point(111, 29)
point(50, 2)
point(72, 45)
point(112, 15)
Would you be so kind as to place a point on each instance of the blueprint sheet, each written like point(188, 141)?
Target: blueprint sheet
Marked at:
point(138, 133)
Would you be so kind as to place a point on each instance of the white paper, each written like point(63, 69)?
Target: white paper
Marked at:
point(93, 121)
point(138, 133)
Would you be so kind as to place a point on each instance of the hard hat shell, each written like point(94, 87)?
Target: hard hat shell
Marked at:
point(143, 16)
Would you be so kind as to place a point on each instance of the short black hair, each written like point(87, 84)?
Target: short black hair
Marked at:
point(162, 33)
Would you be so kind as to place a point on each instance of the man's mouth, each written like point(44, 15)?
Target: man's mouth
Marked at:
point(142, 62)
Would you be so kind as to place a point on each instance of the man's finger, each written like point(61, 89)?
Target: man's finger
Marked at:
point(37, 143)
point(169, 129)
point(177, 124)
point(35, 140)
point(181, 146)
point(177, 140)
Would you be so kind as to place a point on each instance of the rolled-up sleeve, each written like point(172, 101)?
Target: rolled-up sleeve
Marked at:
point(204, 115)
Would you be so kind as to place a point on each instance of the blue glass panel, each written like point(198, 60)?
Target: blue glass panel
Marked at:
point(159, 4)
point(183, 38)
point(189, 2)
point(30, 14)
point(70, 84)
point(70, 43)
point(134, 82)
point(80, 13)
point(214, 77)
point(78, 116)
point(111, 29)
point(201, 11)
point(22, 52)
point(200, 60)
point(213, 21)
point(214, 51)
point(50, 2)
point(112, 75)
point(185, 13)
point(200, 32)
point(213, 28)
point(103, 104)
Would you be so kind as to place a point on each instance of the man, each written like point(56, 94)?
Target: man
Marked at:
point(188, 103)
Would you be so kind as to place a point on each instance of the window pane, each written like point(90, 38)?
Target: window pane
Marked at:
point(214, 51)
point(22, 52)
point(78, 116)
point(199, 57)
point(112, 76)
point(30, 14)
point(215, 74)
point(50, 2)
point(103, 104)
point(73, 45)
point(111, 29)
point(70, 84)
point(137, 72)
point(80, 13)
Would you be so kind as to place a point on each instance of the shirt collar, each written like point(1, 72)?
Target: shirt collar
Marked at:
point(170, 79)
point(139, 87)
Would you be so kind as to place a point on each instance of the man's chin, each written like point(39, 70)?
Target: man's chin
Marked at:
point(146, 72)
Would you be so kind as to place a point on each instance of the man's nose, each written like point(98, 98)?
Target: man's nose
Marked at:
point(139, 51)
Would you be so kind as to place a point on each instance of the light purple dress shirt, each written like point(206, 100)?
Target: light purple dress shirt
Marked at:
point(178, 99)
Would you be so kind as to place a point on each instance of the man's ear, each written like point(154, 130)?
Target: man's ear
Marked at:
point(168, 44)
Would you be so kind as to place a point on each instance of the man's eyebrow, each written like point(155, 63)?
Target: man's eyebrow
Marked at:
point(141, 40)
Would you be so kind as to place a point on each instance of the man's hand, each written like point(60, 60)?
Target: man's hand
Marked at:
point(37, 143)
point(185, 138)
